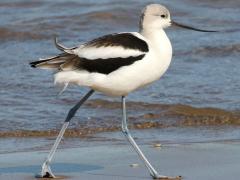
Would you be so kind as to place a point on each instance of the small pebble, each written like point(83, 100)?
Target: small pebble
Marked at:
point(134, 165)
point(157, 145)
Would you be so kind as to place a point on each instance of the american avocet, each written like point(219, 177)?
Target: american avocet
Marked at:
point(116, 65)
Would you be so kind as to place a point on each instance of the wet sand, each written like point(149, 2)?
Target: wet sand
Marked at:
point(193, 161)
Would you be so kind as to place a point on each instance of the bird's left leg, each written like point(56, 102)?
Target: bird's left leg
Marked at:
point(46, 170)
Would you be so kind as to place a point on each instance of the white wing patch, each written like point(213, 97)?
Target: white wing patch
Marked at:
point(106, 52)
point(111, 51)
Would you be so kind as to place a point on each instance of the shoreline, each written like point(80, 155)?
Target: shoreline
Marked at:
point(168, 135)
point(99, 116)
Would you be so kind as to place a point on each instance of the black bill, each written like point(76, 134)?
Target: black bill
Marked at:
point(189, 27)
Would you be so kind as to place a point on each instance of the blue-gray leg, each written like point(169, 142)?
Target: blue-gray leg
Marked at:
point(46, 170)
point(126, 132)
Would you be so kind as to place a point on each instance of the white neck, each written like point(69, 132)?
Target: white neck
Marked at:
point(152, 34)
point(159, 40)
point(160, 45)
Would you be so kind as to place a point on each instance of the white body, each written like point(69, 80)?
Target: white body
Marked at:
point(127, 78)
point(130, 77)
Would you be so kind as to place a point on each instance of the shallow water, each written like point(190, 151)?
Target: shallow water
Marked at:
point(204, 72)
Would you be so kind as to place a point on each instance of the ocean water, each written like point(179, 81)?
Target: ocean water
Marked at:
point(201, 86)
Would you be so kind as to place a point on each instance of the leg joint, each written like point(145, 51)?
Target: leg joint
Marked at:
point(71, 113)
point(125, 131)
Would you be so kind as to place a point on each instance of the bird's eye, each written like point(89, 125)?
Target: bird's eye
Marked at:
point(163, 15)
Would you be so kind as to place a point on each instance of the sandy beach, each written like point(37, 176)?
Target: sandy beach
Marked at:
point(112, 160)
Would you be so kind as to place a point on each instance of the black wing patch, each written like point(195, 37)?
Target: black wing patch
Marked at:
point(125, 40)
point(67, 61)
point(106, 66)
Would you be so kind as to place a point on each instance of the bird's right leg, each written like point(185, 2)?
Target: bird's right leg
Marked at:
point(126, 132)
point(46, 170)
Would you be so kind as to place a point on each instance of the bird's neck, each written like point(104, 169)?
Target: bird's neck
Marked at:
point(153, 34)
point(158, 39)
point(160, 43)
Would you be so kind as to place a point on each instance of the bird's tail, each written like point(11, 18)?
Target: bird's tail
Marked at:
point(55, 62)
point(67, 60)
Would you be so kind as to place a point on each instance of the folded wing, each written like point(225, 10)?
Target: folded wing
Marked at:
point(102, 55)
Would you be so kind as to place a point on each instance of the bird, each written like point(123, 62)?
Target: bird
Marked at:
point(115, 65)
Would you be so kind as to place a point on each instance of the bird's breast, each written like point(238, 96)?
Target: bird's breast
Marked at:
point(160, 54)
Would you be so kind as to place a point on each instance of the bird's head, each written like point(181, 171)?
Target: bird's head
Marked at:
point(156, 16)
